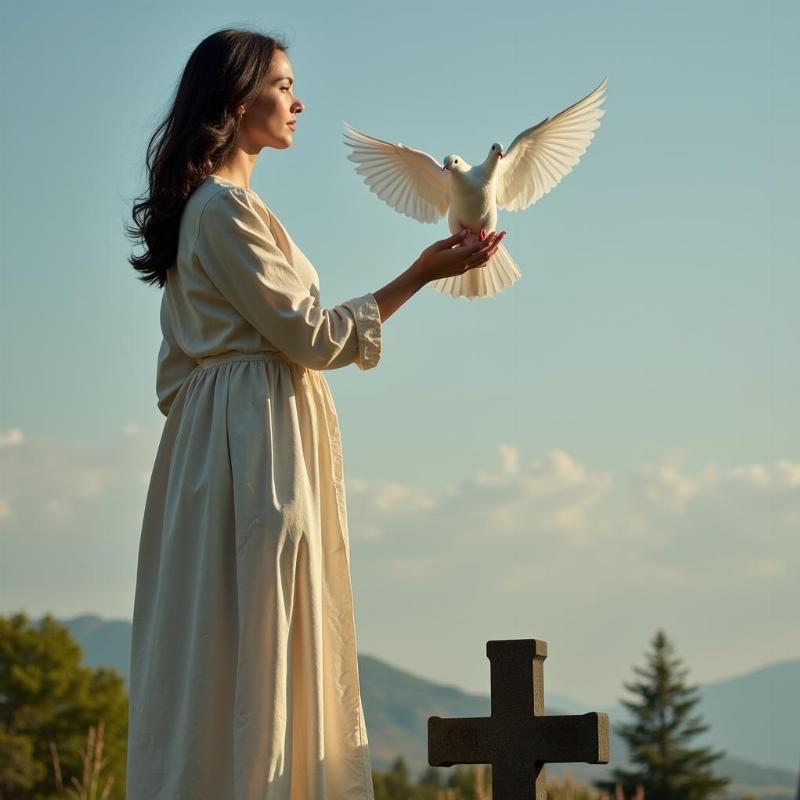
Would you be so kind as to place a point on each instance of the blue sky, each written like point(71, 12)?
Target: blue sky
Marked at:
point(610, 445)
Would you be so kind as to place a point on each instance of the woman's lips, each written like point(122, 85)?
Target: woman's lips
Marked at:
point(291, 125)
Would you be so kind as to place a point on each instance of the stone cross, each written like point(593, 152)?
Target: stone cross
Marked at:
point(517, 739)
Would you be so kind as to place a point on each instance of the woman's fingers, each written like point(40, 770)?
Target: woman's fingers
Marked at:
point(490, 240)
point(484, 250)
point(487, 240)
point(479, 249)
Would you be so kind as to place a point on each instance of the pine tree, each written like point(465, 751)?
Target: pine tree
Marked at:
point(663, 723)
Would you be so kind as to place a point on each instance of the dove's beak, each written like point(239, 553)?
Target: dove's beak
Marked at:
point(444, 168)
point(501, 154)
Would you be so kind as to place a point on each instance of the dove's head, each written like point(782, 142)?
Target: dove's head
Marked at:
point(492, 162)
point(454, 163)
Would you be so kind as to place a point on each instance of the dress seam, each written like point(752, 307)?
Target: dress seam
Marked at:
point(214, 196)
point(232, 732)
point(202, 212)
point(287, 362)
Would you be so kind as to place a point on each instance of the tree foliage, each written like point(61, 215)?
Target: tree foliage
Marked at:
point(48, 696)
point(663, 723)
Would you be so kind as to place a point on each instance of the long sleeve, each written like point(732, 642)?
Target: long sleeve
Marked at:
point(174, 365)
point(238, 251)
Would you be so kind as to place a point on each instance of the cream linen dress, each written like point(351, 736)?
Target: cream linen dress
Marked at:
point(243, 677)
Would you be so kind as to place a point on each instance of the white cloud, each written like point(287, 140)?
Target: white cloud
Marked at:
point(537, 522)
point(509, 458)
point(550, 497)
point(722, 529)
point(787, 474)
point(390, 497)
point(11, 437)
point(662, 488)
point(671, 519)
point(72, 488)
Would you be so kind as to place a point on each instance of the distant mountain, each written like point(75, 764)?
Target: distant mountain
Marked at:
point(754, 717)
point(104, 642)
point(757, 715)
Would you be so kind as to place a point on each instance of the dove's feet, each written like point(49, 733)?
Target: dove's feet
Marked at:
point(482, 234)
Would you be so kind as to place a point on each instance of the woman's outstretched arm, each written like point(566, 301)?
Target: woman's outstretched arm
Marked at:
point(395, 293)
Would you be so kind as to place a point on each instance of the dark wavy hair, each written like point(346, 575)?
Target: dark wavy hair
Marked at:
point(197, 135)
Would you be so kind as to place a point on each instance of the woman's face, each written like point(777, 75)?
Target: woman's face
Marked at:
point(266, 123)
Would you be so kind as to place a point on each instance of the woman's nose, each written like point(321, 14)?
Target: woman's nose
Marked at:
point(300, 106)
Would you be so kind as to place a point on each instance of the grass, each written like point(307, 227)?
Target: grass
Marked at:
point(87, 788)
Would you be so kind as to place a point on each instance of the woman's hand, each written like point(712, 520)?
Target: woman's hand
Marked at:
point(441, 260)
point(450, 256)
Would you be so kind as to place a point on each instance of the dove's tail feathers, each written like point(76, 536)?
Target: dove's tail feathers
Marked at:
point(497, 274)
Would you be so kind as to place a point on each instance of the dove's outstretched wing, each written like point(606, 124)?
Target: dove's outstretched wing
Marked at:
point(408, 180)
point(541, 156)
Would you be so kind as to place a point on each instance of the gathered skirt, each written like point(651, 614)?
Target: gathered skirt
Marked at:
point(244, 675)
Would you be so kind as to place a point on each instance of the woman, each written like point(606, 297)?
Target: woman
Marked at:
point(244, 679)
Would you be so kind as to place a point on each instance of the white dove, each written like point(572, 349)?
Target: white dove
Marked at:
point(415, 184)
